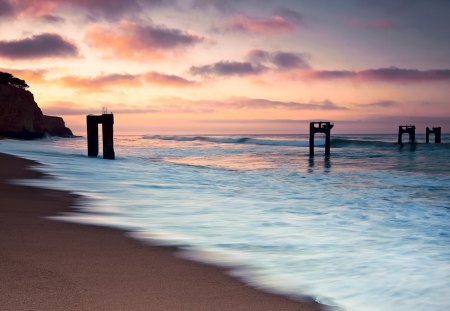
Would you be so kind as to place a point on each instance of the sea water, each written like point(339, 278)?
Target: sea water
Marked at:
point(367, 229)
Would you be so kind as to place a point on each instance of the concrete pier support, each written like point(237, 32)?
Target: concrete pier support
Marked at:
point(108, 136)
point(437, 134)
point(92, 134)
point(409, 129)
point(320, 127)
point(107, 121)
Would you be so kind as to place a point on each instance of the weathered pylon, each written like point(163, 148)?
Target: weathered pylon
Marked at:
point(320, 127)
point(437, 134)
point(409, 129)
point(107, 122)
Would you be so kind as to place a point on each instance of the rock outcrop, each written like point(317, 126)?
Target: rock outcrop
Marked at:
point(21, 117)
point(55, 126)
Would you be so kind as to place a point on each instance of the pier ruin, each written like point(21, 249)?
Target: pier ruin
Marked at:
point(320, 127)
point(107, 122)
point(437, 134)
point(408, 129)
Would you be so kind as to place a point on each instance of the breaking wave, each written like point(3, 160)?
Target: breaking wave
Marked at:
point(290, 142)
point(294, 141)
point(234, 140)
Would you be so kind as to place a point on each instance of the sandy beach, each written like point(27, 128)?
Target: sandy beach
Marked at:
point(52, 265)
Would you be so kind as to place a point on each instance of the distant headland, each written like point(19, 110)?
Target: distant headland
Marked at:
point(20, 115)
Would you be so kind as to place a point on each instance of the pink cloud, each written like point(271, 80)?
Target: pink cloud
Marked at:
point(130, 40)
point(110, 81)
point(272, 25)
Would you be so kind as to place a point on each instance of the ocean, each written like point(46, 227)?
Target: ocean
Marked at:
point(367, 229)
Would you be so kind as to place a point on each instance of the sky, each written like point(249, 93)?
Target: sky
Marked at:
point(229, 66)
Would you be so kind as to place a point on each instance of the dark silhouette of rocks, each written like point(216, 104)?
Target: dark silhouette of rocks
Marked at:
point(21, 117)
point(55, 126)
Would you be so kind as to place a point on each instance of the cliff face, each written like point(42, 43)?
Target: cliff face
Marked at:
point(21, 117)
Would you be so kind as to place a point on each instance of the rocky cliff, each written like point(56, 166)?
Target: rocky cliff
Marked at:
point(21, 117)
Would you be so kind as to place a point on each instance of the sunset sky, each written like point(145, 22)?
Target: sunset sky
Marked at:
point(228, 66)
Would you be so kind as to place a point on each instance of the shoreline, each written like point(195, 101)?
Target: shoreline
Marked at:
point(47, 264)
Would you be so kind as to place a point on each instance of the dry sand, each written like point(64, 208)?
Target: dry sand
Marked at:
point(51, 265)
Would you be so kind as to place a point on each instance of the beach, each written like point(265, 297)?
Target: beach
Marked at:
point(52, 265)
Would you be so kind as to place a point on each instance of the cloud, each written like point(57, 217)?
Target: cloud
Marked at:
point(330, 74)
point(6, 9)
point(38, 46)
point(100, 83)
point(167, 80)
point(130, 40)
point(281, 60)
point(404, 75)
point(107, 9)
point(249, 103)
point(257, 62)
point(52, 19)
point(391, 74)
point(227, 68)
point(104, 82)
point(273, 25)
point(380, 104)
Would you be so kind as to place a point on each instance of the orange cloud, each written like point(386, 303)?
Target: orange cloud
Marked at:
point(140, 42)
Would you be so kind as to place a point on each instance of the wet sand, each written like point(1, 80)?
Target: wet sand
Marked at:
point(52, 265)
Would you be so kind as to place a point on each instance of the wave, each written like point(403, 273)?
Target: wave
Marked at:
point(233, 140)
point(345, 142)
point(338, 142)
